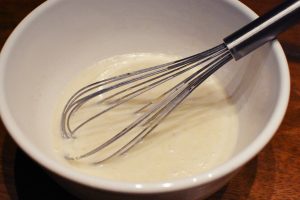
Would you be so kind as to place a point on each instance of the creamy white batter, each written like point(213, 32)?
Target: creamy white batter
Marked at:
point(198, 135)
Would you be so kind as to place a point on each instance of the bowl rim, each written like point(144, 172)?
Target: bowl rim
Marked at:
point(142, 188)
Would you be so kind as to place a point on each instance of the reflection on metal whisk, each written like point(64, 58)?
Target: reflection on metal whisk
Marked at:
point(122, 88)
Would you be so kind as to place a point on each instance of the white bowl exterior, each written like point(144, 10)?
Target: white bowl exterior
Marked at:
point(59, 38)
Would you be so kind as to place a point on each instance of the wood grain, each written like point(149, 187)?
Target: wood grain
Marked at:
point(274, 174)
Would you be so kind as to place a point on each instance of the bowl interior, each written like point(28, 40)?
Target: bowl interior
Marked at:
point(52, 45)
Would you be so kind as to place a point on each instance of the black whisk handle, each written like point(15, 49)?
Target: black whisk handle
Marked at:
point(263, 29)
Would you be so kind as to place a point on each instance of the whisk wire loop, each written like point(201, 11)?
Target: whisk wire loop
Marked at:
point(157, 111)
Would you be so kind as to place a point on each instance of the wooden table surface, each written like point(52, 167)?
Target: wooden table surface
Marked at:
point(274, 174)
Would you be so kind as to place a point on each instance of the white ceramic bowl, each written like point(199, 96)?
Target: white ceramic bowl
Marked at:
point(59, 38)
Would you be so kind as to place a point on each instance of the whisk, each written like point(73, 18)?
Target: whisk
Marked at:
point(122, 88)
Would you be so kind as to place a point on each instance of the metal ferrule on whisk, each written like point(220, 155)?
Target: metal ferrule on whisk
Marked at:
point(263, 29)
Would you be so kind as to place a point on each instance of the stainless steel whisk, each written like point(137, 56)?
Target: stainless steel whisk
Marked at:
point(236, 45)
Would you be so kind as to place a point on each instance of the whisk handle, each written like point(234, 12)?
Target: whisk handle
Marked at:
point(263, 29)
